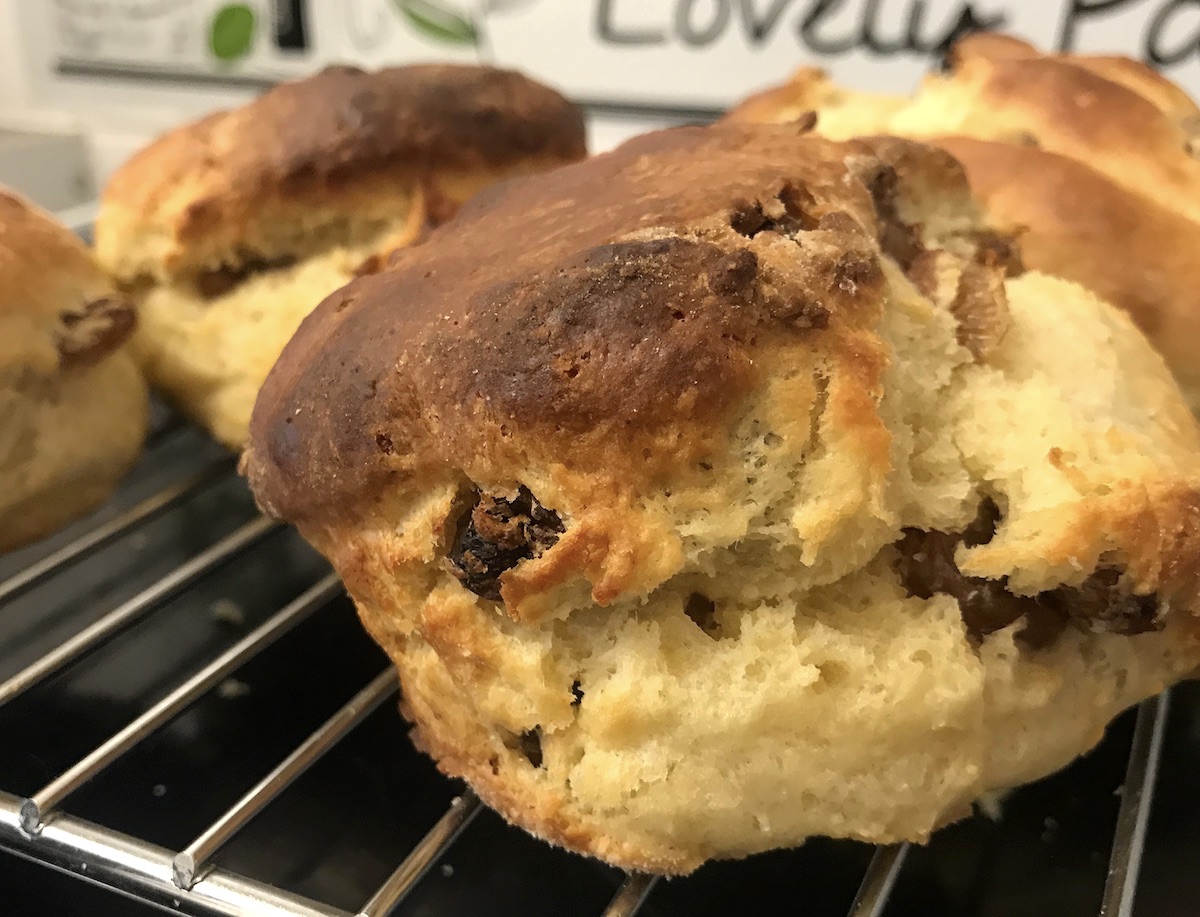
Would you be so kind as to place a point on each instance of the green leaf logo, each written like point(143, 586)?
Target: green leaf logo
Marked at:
point(436, 22)
point(502, 6)
point(232, 32)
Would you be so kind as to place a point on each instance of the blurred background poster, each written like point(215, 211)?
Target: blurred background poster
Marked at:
point(663, 53)
point(122, 70)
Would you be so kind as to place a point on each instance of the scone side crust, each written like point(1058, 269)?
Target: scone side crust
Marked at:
point(341, 126)
point(57, 309)
point(106, 405)
point(546, 818)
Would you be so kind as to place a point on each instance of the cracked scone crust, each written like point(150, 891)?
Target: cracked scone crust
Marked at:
point(228, 231)
point(1093, 157)
point(625, 469)
point(73, 407)
point(331, 151)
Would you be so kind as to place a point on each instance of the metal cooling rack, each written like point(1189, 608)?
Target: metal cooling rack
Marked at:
point(38, 825)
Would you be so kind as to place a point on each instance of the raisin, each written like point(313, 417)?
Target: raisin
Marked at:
point(95, 330)
point(789, 211)
point(702, 610)
point(220, 280)
point(530, 745)
point(926, 567)
point(497, 533)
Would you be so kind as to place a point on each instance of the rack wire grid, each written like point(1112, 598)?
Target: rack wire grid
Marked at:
point(190, 717)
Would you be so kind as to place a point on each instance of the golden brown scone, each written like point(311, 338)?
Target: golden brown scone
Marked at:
point(1124, 71)
point(228, 231)
point(842, 113)
point(1091, 155)
point(737, 487)
point(1120, 117)
point(73, 407)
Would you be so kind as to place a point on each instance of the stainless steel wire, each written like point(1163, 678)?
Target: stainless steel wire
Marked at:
point(461, 813)
point(877, 884)
point(106, 532)
point(35, 809)
point(1125, 858)
point(189, 862)
point(142, 870)
point(631, 895)
point(128, 613)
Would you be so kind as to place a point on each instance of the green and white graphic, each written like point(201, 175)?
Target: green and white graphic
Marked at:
point(231, 34)
point(438, 21)
point(454, 23)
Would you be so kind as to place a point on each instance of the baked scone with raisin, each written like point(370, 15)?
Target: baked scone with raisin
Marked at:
point(1092, 157)
point(740, 486)
point(227, 232)
point(73, 406)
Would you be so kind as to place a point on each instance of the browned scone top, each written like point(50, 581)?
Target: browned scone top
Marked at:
point(57, 309)
point(1095, 157)
point(208, 193)
point(599, 306)
point(1128, 122)
point(1125, 71)
point(998, 86)
point(809, 92)
point(604, 319)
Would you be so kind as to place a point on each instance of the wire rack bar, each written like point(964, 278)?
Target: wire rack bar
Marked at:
point(461, 813)
point(106, 532)
point(171, 425)
point(631, 895)
point(191, 861)
point(879, 881)
point(1134, 815)
point(141, 870)
point(36, 807)
point(144, 602)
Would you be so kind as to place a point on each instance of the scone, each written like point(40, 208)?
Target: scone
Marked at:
point(227, 232)
point(842, 113)
point(740, 486)
point(1091, 156)
point(73, 407)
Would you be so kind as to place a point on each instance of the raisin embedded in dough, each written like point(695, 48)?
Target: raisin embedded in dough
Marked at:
point(496, 535)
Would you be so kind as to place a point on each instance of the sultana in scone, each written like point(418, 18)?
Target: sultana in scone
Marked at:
point(227, 232)
point(737, 487)
point(73, 406)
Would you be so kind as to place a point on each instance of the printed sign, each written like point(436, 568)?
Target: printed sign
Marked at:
point(648, 54)
point(167, 38)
